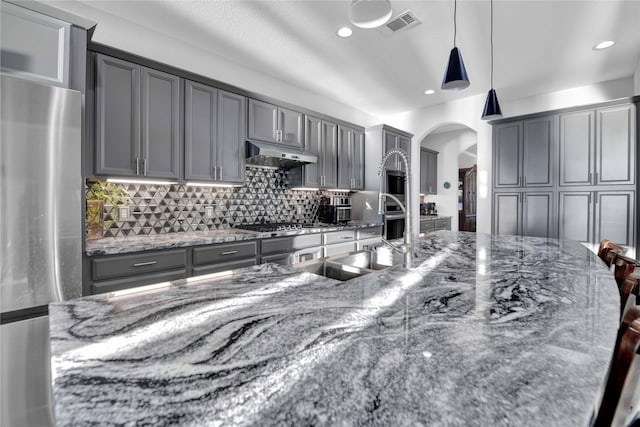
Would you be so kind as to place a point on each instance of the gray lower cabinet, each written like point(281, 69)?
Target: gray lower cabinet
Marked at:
point(591, 216)
point(271, 123)
point(428, 171)
point(321, 139)
point(34, 46)
point(350, 158)
point(428, 225)
point(222, 257)
point(291, 249)
point(576, 148)
point(527, 214)
point(138, 120)
point(110, 273)
point(215, 123)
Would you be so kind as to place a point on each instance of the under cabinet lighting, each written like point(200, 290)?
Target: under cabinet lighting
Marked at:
point(211, 276)
point(338, 190)
point(210, 184)
point(140, 181)
point(138, 290)
point(304, 189)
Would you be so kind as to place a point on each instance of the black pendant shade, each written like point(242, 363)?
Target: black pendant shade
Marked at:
point(491, 106)
point(455, 76)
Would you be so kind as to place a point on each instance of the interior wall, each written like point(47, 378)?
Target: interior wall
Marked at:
point(636, 79)
point(465, 160)
point(448, 145)
point(467, 111)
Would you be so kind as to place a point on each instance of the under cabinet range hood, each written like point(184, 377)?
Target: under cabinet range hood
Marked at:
point(276, 156)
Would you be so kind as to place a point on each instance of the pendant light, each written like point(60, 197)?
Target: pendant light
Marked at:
point(369, 13)
point(455, 76)
point(491, 106)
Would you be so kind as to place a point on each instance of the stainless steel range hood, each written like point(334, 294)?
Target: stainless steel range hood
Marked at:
point(276, 156)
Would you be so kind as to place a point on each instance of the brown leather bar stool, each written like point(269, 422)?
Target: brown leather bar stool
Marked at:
point(623, 266)
point(625, 351)
point(606, 246)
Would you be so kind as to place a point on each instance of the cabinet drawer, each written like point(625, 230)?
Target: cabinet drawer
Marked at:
point(369, 233)
point(339, 248)
point(223, 253)
point(140, 280)
point(223, 266)
point(362, 244)
point(290, 244)
point(339, 237)
point(114, 266)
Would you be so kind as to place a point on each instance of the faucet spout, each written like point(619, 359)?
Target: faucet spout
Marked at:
point(406, 209)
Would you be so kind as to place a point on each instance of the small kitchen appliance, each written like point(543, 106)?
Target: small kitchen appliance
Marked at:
point(334, 210)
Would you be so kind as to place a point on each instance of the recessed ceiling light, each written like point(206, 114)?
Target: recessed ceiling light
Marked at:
point(345, 32)
point(603, 45)
point(429, 92)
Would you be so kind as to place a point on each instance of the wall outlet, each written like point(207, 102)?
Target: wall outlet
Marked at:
point(208, 211)
point(123, 212)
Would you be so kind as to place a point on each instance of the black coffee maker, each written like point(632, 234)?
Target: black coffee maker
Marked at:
point(428, 209)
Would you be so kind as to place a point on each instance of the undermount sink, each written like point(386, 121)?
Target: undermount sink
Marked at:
point(348, 266)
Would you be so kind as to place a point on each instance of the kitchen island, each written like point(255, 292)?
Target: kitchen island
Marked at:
point(485, 330)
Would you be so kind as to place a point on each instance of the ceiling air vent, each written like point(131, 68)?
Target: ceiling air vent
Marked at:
point(400, 23)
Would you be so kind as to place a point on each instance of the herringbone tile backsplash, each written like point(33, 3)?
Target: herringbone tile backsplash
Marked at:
point(264, 197)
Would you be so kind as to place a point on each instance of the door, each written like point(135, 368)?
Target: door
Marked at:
point(329, 154)
point(290, 125)
point(263, 121)
point(117, 117)
point(576, 148)
point(538, 144)
point(506, 210)
point(231, 136)
point(357, 160)
point(506, 154)
point(345, 136)
point(200, 131)
point(160, 123)
point(313, 144)
point(615, 146)
point(614, 217)
point(537, 215)
point(575, 216)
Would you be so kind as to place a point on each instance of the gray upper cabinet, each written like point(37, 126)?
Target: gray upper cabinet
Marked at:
point(524, 153)
point(138, 118)
point(576, 154)
point(215, 123)
point(350, 158)
point(34, 46)
point(321, 139)
point(270, 123)
point(395, 140)
point(597, 147)
point(615, 145)
point(428, 171)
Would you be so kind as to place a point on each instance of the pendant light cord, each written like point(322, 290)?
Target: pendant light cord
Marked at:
point(455, 10)
point(491, 44)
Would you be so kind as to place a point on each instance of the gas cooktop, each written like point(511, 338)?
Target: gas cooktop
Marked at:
point(275, 226)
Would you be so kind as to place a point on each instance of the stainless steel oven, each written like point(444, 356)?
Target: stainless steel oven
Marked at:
point(394, 222)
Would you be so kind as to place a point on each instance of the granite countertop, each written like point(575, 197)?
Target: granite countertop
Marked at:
point(485, 330)
point(120, 245)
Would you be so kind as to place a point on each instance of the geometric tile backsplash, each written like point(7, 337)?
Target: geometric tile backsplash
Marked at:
point(264, 197)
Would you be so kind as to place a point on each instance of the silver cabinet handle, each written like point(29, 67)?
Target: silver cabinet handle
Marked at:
point(143, 264)
point(220, 173)
point(215, 172)
point(347, 238)
point(590, 182)
point(146, 161)
point(524, 181)
point(137, 165)
point(229, 253)
point(596, 180)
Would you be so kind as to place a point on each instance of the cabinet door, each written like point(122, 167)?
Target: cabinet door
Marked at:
point(538, 152)
point(313, 144)
point(506, 217)
point(404, 144)
point(330, 154)
point(575, 216)
point(357, 160)
point(614, 217)
point(290, 124)
point(390, 141)
point(263, 121)
point(200, 131)
point(345, 136)
point(424, 167)
point(538, 214)
point(615, 145)
point(231, 125)
point(506, 154)
point(117, 148)
point(432, 173)
point(161, 115)
point(576, 148)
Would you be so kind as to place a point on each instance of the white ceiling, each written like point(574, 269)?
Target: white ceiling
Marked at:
point(540, 46)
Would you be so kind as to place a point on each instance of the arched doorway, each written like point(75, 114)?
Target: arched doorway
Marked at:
point(450, 140)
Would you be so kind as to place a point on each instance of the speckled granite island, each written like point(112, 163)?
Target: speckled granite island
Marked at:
point(485, 330)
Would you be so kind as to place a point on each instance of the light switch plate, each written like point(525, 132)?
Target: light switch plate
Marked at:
point(208, 211)
point(123, 212)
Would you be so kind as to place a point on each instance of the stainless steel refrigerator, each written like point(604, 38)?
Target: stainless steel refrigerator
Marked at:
point(40, 237)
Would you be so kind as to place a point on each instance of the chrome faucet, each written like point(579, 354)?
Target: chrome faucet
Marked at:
point(407, 246)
